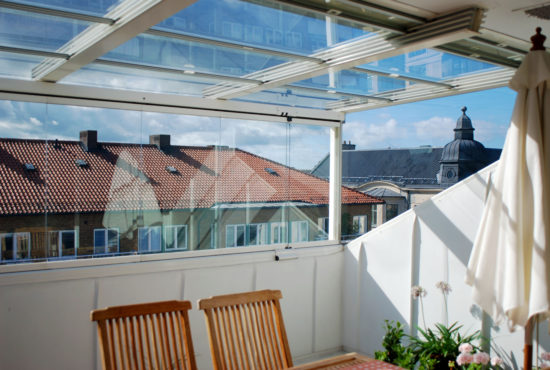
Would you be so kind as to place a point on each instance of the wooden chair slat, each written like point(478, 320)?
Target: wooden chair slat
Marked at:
point(153, 335)
point(246, 331)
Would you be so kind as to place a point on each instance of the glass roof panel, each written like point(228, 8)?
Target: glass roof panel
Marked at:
point(179, 54)
point(351, 82)
point(17, 65)
point(37, 31)
point(92, 7)
point(293, 97)
point(262, 23)
point(430, 64)
point(100, 75)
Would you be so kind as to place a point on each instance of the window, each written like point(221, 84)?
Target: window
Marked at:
point(105, 241)
point(149, 239)
point(278, 232)
point(392, 210)
point(257, 234)
point(323, 224)
point(175, 237)
point(62, 244)
point(234, 236)
point(374, 218)
point(299, 230)
point(360, 224)
point(15, 246)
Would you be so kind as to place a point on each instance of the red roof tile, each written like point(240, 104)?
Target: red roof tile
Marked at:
point(132, 176)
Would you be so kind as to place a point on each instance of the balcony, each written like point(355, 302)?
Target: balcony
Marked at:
point(149, 204)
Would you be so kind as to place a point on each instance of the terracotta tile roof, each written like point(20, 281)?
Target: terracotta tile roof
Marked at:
point(132, 176)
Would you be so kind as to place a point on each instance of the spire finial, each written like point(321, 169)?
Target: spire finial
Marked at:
point(538, 40)
point(463, 109)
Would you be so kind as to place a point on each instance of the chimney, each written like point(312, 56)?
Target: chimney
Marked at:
point(88, 139)
point(348, 146)
point(161, 141)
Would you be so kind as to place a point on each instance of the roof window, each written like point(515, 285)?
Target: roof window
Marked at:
point(271, 171)
point(171, 169)
point(30, 167)
point(81, 163)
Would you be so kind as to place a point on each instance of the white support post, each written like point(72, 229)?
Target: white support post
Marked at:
point(335, 188)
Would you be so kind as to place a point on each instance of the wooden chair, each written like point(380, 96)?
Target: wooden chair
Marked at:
point(145, 336)
point(246, 331)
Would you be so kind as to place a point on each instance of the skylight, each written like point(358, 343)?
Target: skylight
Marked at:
point(30, 167)
point(171, 169)
point(271, 171)
point(81, 163)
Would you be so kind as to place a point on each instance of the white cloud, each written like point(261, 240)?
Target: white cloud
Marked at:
point(375, 135)
point(35, 121)
point(435, 130)
point(55, 123)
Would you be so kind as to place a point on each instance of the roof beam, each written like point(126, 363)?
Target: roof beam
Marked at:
point(465, 84)
point(52, 93)
point(447, 28)
point(132, 18)
point(401, 77)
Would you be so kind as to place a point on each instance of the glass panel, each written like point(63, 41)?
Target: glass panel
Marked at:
point(430, 64)
point(7, 245)
point(23, 246)
point(352, 82)
point(124, 188)
point(67, 243)
point(18, 65)
point(392, 210)
point(99, 241)
point(184, 55)
point(94, 7)
point(96, 74)
point(37, 31)
point(267, 24)
point(112, 240)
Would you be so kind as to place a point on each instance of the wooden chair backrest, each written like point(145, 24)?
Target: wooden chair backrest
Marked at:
point(247, 331)
point(145, 336)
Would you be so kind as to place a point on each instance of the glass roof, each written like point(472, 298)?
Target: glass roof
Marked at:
point(303, 54)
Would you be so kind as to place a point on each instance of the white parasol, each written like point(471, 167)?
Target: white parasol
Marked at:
point(509, 268)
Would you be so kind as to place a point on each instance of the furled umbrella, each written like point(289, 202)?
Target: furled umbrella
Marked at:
point(509, 268)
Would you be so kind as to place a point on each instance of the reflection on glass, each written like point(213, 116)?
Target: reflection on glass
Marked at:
point(37, 31)
point(184, 55)
point(99, 8)
point(265, 23)
point(154, 183)
point(430, 64)
point(18, 65)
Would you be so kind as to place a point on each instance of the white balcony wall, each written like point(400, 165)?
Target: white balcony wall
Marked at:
point(44, 314)
point(423, 246)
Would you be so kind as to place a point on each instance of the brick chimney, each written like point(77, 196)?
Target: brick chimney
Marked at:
point(161, 141)
point(88, 139)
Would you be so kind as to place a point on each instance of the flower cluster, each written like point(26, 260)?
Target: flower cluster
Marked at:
point(466, 357)
point(545, 357)
point(444, 287)
point(418, 292)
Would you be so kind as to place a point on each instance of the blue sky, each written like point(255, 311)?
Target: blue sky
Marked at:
point(431, 122)
point(428, 122)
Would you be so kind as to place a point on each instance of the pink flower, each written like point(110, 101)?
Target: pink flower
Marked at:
point(464, 359)
point(465, 348)
point(496, 361)
point(481, 358)
point(545, 356)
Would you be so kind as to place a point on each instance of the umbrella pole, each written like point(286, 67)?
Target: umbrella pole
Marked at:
point(528, 347)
